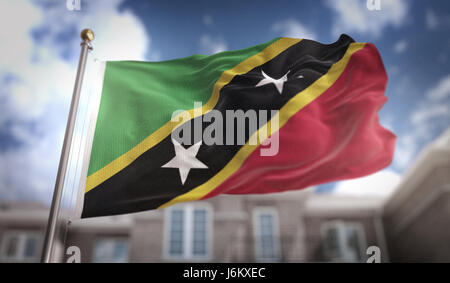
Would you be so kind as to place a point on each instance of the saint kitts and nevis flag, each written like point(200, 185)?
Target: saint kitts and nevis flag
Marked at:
point(327, 126)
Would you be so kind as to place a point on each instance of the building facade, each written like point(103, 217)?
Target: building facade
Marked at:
point(299, 226)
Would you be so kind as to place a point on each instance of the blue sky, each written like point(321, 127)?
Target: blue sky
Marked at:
point(41, 44)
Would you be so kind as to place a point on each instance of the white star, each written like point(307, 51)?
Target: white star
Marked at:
point(185, 159)
point(279, 83)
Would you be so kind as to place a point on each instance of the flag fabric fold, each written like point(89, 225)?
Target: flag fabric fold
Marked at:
point(314, 104)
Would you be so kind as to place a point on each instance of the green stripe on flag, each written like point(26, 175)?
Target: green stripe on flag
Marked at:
point(139, 97)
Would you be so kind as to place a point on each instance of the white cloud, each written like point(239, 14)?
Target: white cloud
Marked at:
point(380, 184)
point(441, 91)
point(119, 35)
point(41, 73)
point(293, 28)
point(353, 16)
point(405, 150)
point(400, 46)
point(435, 106)
point(431, 113)
point(211, 45)
point(431, 20)
point(15, 30)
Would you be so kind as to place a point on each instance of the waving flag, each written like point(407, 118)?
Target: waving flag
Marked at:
point(309, 114)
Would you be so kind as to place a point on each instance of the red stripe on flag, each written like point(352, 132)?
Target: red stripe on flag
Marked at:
point(335, 137)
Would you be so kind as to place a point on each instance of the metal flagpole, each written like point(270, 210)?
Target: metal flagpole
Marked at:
point(87, 36)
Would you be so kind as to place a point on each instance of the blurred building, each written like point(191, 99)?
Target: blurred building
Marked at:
point(417, 216)
point(300, 226)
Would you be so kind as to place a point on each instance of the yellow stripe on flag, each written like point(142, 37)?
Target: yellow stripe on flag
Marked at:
point(156, 137)
point(294, 105)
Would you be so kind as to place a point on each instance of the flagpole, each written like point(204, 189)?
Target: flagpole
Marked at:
point(87, 36)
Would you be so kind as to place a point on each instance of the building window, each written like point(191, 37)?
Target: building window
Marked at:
point(343, 241)
point(176, 232)
point(189, 232)
point(112, 250)
point(266, 233)
point(20, 246)
point(199, 232)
